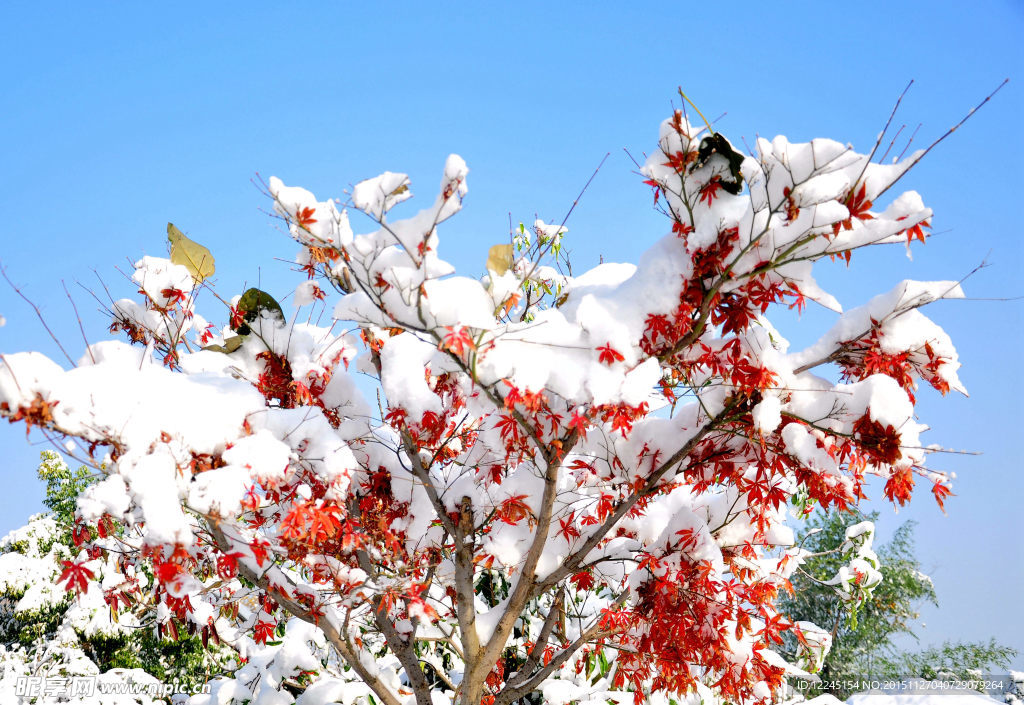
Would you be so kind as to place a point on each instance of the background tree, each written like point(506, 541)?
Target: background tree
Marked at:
point(511, 516)
point(44, 631)
point(956, 660)
point(864, 632)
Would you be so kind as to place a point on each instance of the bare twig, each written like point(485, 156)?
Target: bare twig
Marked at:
point(946, 134)
point(39, 314)
point(78, 318)
point(881, 135)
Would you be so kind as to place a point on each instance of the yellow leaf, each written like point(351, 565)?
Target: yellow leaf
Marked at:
point(196, 259)
point(499, 259)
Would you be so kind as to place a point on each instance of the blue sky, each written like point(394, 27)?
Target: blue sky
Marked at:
point(116, 118)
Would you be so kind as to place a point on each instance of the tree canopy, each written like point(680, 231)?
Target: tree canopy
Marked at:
point(531, 483)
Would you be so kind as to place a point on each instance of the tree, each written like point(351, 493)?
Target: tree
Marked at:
point(964, 661)
point(861, 629)
point(569, 486)
point(864, 624)
point(109, 632)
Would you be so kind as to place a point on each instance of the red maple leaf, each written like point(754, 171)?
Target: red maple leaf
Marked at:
point(237, 317)
point(305, 217)
point(259, 552)
point(579, 423)
point(457, 340)
point(173, 295)
point(680, 160)
point(940, 492)
point(513, 510)
point(325, 523)
point(293, 526)
point(77, 576)
point(916, 230)
point(263, 631)
point(858, 205)
point(709, 191)
point(583, 580)
point(899, 486)
point(681, 229)
point(609, 355)
point(568, 528)
point(251, 500)
point(227, 565)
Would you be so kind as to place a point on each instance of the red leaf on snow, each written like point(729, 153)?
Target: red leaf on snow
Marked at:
point(609, 355)
point(709, 191)
point(513, 510)
point(305, 217)
point(457, 340)
point(259, 552)
point(263, 631)
point(579, 423)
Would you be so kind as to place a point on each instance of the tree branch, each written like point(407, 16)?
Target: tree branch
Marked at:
point(338, 641)
point(571, 563)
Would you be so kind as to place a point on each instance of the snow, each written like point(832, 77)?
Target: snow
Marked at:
point(324, 226)
point(306, 293)
point(262, 455)
point(458, 301)
point(768, 414)
point(157, 277)
point(561, 692)
point(333, 690)
point(378, 195)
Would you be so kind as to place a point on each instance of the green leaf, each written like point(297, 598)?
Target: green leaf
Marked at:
point(716, 143)
point(230, 345)
point(252, 304)
point(194, 257)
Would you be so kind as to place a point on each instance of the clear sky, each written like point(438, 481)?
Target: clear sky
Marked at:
point(116, 118)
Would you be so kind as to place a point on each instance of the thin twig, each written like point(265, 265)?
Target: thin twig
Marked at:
point(892, 142)
point(88, 347)
point(631, 158)
point(39, 314)
point(881, 135)
point(944, 135)
point(566, 218)
point(910, 141)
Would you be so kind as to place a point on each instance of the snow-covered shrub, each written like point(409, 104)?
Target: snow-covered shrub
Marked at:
point(108, 631)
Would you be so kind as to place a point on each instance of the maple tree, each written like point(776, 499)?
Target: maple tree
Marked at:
point(575, 486)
